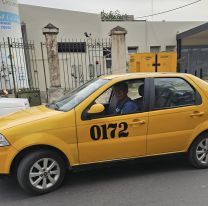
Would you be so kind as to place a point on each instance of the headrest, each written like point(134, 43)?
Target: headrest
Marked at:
point(141, 90)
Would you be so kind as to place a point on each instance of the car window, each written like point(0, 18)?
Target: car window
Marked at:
point(173, 92)
point(75, 97)
point(104, 98)
point(132, 104)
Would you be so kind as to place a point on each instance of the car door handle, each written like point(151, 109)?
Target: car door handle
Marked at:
point(196, 113)
point(137, 121)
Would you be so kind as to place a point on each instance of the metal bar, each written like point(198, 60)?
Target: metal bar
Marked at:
point(75, 75)
point(110, 43)
point(5, 53)
point(2, 69)
point(89, 57)
point(62, 57)
point(96, 62)
point(106, 56)
point(23, 68)
point(11, 61)
point(77, 50)
point(19, 68)
point(32, 66)
point(36, 66)
point(44, 69)
point(81, 43)
point(67, 65)
point(17, 61)
point(201, 73)
point(103, 58)
point(70, 60)
point(101, 68)
point(27, 56)
point(86, 65)
point(93, 59)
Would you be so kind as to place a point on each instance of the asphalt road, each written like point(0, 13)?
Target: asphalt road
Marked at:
point(158, 182)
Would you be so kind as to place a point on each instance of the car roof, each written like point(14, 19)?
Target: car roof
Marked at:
point(144, 75)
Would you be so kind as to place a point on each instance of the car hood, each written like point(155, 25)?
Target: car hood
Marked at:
point(26, 116)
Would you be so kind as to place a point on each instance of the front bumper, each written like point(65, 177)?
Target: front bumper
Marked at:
point(7, 154)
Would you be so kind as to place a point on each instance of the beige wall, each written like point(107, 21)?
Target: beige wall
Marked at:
point(73, 25)
point(145, 34)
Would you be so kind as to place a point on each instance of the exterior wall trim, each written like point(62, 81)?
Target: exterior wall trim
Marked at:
point(193, 31)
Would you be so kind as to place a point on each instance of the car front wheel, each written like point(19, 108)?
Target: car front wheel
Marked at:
point(198, 153)
point(41, 172)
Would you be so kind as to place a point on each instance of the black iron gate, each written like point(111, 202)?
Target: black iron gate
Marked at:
point(80, 60)
point(18, 69)
point(194, 60)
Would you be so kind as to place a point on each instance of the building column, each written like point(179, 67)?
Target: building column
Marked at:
point(118, 35)
point(55, 91)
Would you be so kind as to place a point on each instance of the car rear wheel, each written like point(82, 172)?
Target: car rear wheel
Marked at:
point(198, 153)
point(41, 172)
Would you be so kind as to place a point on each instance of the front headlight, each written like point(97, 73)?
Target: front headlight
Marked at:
point(3, 141)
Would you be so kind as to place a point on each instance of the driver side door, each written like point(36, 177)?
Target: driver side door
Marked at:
point(111, 137)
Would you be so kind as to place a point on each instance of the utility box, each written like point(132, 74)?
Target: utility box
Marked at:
point(32, 95)
point(153, 62)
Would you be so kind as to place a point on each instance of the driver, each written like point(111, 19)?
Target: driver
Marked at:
point(124, 104)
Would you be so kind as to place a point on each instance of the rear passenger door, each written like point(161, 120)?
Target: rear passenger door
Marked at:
point(177, 108)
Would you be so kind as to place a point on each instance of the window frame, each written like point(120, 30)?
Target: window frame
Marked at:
point(131, 48)
point(78, 88)
point(72, 47)
point(154, 48)
point(170, 48)
point(198, 100)
point(146, 106)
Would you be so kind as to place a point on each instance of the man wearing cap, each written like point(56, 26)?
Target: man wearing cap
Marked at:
point(124, 104)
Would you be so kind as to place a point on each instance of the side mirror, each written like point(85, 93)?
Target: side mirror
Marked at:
point(96, 109)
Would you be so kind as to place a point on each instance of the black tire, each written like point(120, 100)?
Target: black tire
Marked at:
point(26, 164)
point(192, 154)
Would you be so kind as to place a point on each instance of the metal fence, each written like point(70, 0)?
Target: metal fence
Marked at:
point(23, 75)
point(80, 60)
point(18, 67)
point(194, 60)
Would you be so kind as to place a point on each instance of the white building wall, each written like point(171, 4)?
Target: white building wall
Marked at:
point(73, 24)
point(145, 34)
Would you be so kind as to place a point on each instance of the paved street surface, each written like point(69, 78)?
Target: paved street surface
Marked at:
point(158, 182)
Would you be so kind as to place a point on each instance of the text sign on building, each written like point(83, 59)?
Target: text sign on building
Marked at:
point(9, 19)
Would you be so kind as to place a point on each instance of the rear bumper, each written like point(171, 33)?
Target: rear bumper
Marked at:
point(7, 155)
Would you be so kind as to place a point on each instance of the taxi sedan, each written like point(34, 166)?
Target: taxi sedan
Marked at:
point(90, 125)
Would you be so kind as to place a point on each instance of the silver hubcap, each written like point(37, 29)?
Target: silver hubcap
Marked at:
point(202, 151)
point(44, 173)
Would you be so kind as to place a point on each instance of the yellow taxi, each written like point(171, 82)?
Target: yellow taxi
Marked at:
point(110, 118)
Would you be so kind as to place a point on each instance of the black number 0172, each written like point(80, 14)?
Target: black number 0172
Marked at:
point(96, 132)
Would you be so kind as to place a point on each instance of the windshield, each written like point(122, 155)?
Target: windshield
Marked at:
point(75, 97)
